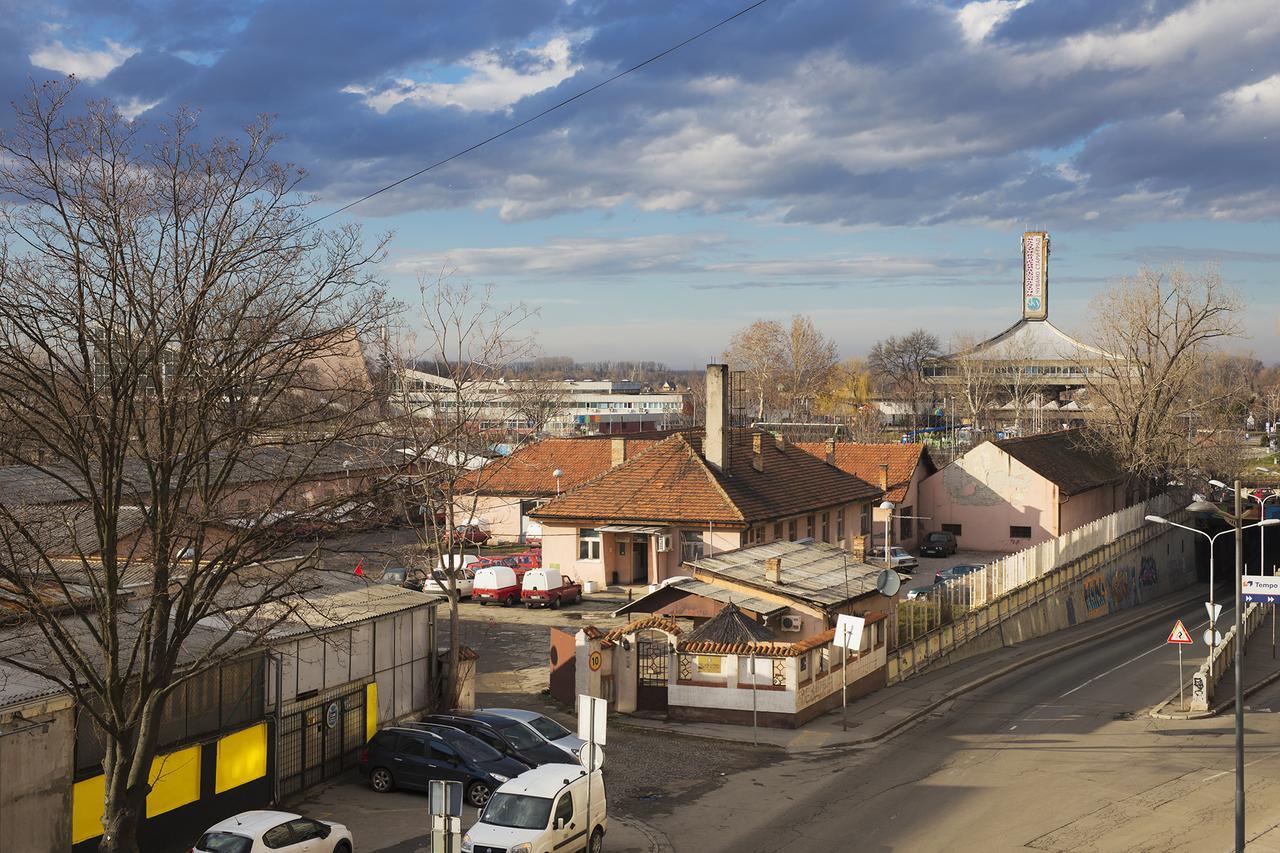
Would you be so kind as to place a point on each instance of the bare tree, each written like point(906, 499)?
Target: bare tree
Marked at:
point(809, 362)
point(757, 352)
point(976, 380)
point(898, 365)
point(1157, 327)
point(171, 328)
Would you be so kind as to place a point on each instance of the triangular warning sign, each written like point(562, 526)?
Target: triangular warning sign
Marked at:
point(1179, 634)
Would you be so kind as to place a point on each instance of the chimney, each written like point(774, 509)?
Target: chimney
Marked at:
point(618, 446)
point(715, 445)
point(757, 451)
point(780, 441)
point(773, 570)
point(884, 477)
point(831, 452)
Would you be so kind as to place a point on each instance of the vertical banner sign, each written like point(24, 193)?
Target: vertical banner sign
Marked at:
point(1035, 281)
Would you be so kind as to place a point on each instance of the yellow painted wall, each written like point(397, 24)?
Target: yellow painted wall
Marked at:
point(370, 711)
point(175, 780)
point(242, 757)
point(87, 799)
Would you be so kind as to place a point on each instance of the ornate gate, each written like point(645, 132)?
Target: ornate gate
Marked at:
point(653, 655)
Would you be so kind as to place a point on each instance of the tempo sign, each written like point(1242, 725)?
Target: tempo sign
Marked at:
point(1035, 275)
point(1261, 589)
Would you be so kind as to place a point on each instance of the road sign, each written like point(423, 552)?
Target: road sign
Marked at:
point(592, 718)
point(1260, 589)
point(1215, 610)
point(1212, 637)
point(1179, 634)
point(848, 631)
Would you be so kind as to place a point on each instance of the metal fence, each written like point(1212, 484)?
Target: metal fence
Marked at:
point(946, 602)
point(320, 740)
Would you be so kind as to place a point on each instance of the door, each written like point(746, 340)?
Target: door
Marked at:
point(640, 560)
point(566, 827)
point(308, 836)
point(446, 763)
point(652, 656)
point(411, 764)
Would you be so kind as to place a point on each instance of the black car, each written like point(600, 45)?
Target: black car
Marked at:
point(402, 757)
point(940, 543)
point(510, 737)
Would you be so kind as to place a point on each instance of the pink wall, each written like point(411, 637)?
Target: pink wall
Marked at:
point(1090, 506)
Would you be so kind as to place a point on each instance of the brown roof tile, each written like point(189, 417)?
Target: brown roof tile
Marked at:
point(1064, 458)
point(671, 482)
point(864, 460)
point(661, 623)
point(528, 470)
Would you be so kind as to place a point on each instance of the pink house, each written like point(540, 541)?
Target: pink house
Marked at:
point(1012, 494)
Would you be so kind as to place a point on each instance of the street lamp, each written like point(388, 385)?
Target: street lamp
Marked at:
point(1235, 518)
point(1262, 534)
point(888, 507)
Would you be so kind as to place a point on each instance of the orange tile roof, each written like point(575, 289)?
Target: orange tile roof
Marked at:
point(672, 482)
point(661, 623)
point(770, 649)
point(864, 461)
point(528, 470)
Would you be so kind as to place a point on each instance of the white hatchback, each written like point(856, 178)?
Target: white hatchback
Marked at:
point(277, 832)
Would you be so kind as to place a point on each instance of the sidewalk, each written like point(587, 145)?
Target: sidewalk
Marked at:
point(881, 714)
point(1261, 667)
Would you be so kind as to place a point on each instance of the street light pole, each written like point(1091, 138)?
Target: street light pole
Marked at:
point(1239, 674)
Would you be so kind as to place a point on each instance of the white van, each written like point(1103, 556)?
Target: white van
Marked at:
point(496, 583)
point(540, 811)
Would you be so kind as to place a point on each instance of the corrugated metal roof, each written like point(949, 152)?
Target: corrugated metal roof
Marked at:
point(325, 610)
point(812, 572)
point(692, 586)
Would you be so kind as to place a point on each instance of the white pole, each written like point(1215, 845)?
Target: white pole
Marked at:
point(844, 680)
point(591, 761)
point(1180, 679)
point(755, 737)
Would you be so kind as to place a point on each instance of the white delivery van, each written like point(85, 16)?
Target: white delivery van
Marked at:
point(542, 579)
point(496, 583)
point(541, 811)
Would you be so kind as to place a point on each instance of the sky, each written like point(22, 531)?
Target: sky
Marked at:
point(871, 163)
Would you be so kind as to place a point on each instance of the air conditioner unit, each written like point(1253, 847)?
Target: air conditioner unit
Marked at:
point(664, 543)
point(792, 623)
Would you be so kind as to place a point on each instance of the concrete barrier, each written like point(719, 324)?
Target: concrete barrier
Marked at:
point(1205, 682)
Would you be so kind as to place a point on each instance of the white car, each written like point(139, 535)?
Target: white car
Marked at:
point(903, 561)
point(543, 810)
point(276, 832)
point(545, 727)
point(439, 582)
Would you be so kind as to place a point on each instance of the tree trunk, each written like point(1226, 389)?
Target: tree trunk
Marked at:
point(122, 817)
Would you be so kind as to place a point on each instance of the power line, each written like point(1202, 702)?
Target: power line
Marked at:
point(545, 112)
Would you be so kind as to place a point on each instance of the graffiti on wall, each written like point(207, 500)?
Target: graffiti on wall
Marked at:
point(1095, 596)
point(1120, 588)
point(1147, 573)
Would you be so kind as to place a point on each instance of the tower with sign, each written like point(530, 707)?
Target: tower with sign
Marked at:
point(1035, 275)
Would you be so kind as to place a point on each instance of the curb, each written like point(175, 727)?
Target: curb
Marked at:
point(1248, 691)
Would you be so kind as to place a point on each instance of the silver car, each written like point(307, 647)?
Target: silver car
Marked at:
point(901, 559)
point(545, 727)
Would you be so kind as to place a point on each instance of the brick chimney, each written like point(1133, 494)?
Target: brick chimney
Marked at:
point(831, 452)
point(773, 570)
point(780, 441)
point(715, 444)
point(618, 446)
point(757, 452)
point(884, 478)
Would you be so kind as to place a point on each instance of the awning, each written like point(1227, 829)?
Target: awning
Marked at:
point(628, 528)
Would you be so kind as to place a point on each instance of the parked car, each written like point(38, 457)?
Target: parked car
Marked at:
point(527, 560)
point(439, 582)
point(511, 737)
point(954, 572)
point(472, 534)
point(940, 543)
point(277, 832)
point(901, 560)
point(542, 811)
point(463, 740)
point(919, 592)
point(548, 588)
point(497, 584)
point(403, 757)
point(546, 727)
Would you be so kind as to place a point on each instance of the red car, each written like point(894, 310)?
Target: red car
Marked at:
point(527, 560)
point(470, 534)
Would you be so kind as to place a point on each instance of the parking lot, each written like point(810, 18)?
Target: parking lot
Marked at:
point(929, 566)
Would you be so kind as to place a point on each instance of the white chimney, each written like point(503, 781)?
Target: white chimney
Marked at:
point(715, 445)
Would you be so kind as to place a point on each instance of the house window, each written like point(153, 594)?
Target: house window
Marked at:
point(808, 525)
point(906, 527)
point(840, 525)
point(709, 664)
point(1019, 532)
point(864, 523)
point(622, 548)
point(953, 529)
point(791, 530)
point(588, 543)
point(804, 666)
point(691, 545)
point(824, 660)
point(777, 530)
point(826, 527)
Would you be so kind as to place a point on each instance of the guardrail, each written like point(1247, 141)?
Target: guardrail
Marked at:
point(1204, 683)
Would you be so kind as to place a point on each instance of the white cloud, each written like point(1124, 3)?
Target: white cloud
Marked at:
point(86, 64)
point(979, 18)
point(489, 85)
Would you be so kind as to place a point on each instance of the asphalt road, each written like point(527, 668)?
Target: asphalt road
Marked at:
point(1058, 757)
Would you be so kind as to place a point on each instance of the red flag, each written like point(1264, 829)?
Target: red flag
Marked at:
point(359, 572)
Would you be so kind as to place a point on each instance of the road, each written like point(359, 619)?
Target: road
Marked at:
point(1056, 757)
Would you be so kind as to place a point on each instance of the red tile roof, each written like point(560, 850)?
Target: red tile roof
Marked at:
point(864, 461)
point(770, 649)
point(527, 472)
point(672, 482)
point(660, 623)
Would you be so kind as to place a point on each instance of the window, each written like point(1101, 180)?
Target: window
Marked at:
point(906, 525)
point(864, 522)
point(588, 543)
point(804, 666)
point(443, 752)
point(840, 525)
point(826, 527)
point(1019, 532)
point(277, 837)
point(709, 664)
point(411, 747)
point(824, 660)
point(808, 524)
point(564, 809)
point(777, 530)
point(791, 530)
point(622, 548)
point(305, 829)
point(953, 529)
point(691, 545)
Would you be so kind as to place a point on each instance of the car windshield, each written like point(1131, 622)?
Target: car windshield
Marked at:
point(474, 750)
point(938, 537)
point(549, 728)
point(517, 810)
point(520, 737)
point(224, 842)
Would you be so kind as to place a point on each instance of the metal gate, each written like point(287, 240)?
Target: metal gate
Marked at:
point(653, 655)
point(320, 740)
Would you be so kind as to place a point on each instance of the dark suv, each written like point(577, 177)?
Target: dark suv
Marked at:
point(510, 737)
point(411, 758)
point(940, 543)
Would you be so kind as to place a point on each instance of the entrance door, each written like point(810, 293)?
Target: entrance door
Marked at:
point(653, 656)
point(640, 560)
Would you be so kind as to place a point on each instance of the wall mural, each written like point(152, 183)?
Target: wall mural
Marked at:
point(1095, 596)
point(1120, 588)
point(1147, 575)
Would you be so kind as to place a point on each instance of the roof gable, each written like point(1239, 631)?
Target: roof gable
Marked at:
point(529, 471)
point(864, 460)
point(1065, 459)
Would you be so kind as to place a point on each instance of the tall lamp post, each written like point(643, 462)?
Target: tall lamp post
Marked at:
point(1236, 519)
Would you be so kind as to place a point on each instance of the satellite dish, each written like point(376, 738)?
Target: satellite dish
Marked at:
point(888, 583)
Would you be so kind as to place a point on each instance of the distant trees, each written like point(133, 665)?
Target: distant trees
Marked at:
point(785, 369)
point(897, 364)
